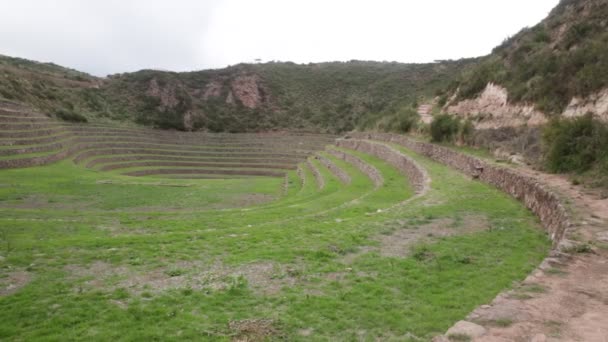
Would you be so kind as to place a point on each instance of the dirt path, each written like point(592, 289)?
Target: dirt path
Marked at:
point(566, 298)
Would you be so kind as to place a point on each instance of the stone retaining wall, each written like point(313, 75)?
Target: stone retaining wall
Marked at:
point(414, 172)
point(205, 172)
point(30, 134)
point(300, 173)
point(335, 170)
point(106, 152)
point(367, 169)
point(291, 163)
point(32, 149)
point(315, 172)
point(193, 164)
point(34, 161)
point(534, 195)
point(35, 141)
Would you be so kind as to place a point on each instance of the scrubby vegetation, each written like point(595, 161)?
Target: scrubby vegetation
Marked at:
point(444, 127)
point(577, 145)
point(449, 128)
point(70, 115)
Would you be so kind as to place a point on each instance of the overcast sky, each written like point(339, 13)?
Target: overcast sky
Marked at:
point(110, 36)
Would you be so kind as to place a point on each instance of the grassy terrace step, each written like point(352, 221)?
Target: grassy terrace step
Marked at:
point(335, 169)
point(318, 176)
point(16, 151)
point(28, 126)
point(32, 159)
point(220, 137)
point(196, 138)
point(66, 137)
point(17, 113)
point(193, 142)
point(179, 148)
point(116, 166)
point(373, 173)
point(21, 119)
point(129, 158)
point(35, 141)
point(184, 171)
point(32, 133)
point(106, 152)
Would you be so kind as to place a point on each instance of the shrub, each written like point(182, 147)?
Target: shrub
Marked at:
point(444, 127)
point(68, 115)
point(465, 132)
point(405, 120)
point(575, 144)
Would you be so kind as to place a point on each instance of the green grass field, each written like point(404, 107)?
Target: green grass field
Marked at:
point(91, 255)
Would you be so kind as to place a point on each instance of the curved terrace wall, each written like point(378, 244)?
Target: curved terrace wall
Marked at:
point(369, 170)
point(544, 203)
point(335, 170)
point(415, 173)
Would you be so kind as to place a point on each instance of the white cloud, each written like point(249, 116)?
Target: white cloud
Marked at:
point(117, 36)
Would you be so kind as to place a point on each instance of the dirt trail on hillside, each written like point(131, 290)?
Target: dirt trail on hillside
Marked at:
point(566, 298)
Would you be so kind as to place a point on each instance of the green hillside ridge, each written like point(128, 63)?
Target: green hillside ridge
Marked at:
point(564, 56)
point(333, 96)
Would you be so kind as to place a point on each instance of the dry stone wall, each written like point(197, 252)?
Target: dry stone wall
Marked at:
point(543, 202)
point(315, 172)
point(415, 173)
point(364, 167)
point(335, 170)
point(148, 172)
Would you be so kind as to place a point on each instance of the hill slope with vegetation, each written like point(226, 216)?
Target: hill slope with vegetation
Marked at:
point(562, 57)
point(331, 97)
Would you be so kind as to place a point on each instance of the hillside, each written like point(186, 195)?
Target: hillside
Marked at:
point(332, 97)
point(556, 66)
point(248, 97)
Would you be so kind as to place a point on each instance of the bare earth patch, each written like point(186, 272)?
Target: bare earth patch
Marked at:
point(264, 278)
point(248, 200)
point(252, 330)
point(13, 282)
point(398, 244)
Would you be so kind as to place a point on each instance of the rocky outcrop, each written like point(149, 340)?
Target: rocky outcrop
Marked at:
point(166, 95)
point(213, 89)
point(247, 89)
point(596, 104)
point(491, 110)
point(544, 203)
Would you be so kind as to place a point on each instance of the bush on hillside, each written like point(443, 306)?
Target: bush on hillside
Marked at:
point(575, 145)
point(70, 115)
point(466, 132)
point(405, 120)
point(444, 128)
